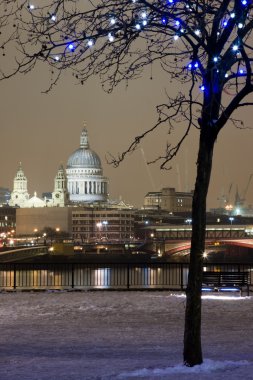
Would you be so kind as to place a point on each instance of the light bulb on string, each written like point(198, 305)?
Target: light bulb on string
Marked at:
point(71, 47)
point(110, 37)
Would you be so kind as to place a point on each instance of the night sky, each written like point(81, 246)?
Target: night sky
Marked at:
point(43, 130)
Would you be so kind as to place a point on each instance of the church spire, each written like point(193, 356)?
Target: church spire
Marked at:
point(84, 143)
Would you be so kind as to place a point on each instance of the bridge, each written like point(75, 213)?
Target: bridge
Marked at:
point(171, 248)
point(216, 231)
point(22, 253)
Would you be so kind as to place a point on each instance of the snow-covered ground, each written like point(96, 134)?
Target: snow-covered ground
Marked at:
point(120, 335)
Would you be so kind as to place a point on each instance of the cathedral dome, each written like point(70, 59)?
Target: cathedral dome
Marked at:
point(84, 157)
point(85, 180)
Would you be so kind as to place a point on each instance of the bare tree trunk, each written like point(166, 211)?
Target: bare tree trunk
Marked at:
point(192, 333)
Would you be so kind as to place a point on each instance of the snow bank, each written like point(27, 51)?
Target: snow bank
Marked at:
point(207, 367)
point(105, 335)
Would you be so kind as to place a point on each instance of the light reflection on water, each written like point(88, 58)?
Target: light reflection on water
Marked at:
point(97, 278)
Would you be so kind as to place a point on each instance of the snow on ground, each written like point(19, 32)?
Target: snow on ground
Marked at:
point(120, 335)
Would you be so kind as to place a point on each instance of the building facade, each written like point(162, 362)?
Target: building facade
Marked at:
point(34, 220)
point(7, 219)
point(101, 224)
point(169, 199)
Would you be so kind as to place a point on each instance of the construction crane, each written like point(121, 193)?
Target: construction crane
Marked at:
point(246, 188)
point(225, 198)
point(148, 170)
point(240, 200)
point(229, 192)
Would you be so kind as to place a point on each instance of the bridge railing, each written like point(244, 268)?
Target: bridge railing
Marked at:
point(104, 276)
point(19, 253)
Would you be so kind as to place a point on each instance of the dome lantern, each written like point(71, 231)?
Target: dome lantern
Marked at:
point(84, 143)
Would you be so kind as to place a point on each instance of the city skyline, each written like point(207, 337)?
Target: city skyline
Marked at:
point(42, 130)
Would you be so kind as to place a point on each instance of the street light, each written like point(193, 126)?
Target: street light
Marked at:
point(99, 225)
point(105, 223)
point(231, 220)
point(36, 234)
point(57, 230)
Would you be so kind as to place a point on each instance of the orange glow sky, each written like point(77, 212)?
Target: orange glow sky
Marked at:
point(42, 131)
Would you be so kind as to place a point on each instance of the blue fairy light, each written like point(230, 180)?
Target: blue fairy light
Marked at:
point(193, 65)
point(71, 47)
point(202, 88)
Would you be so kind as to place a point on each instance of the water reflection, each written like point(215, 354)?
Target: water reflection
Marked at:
point(83, 276)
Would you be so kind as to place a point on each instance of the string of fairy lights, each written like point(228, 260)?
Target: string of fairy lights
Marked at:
point(235, 19)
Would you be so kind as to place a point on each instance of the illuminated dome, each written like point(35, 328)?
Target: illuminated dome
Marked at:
point(84, 157)
point(85, 175)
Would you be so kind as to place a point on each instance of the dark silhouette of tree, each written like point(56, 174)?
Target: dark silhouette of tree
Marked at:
point(206, 46)
point(54, 234)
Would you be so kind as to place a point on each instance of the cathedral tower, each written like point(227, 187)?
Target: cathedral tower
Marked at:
point(60, 194)
point(19, 194)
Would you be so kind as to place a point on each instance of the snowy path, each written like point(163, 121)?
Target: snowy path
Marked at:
point(120, 335)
